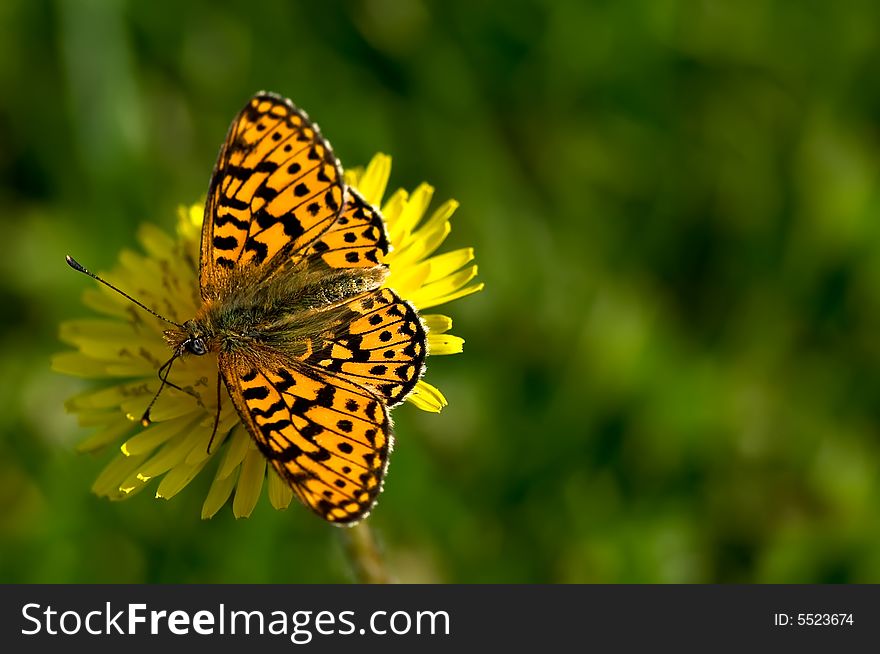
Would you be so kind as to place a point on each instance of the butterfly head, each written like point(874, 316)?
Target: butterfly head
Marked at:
point(191, 339)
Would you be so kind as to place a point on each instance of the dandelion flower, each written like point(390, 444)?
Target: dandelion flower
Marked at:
point(125, 345)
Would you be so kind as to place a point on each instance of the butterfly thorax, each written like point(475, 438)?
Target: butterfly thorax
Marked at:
point(285, 313)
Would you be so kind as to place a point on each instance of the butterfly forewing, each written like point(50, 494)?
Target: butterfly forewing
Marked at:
point(276, 188)
point(327, 437)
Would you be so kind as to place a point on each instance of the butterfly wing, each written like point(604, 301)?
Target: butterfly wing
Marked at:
point(380, 343)
point(329, 438)
point(276, 200)
point(322, 419)
point(276, 188)
point(380, 340)
point(358, 238)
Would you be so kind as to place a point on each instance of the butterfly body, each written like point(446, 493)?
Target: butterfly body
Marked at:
point(283, 313)
point(311, 346)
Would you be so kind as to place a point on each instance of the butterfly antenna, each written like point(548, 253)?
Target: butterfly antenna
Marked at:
point(73, 263)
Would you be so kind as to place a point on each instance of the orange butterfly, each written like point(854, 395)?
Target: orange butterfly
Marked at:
point(312, 349)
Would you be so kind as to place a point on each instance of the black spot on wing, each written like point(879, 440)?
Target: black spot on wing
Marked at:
point(260, 249)
point(266, 166)
point(292, 226)
point(319, 455)
point(268, 427)
point(277, 406)
point(225, 242)
point(310, 431)
point(230, 203)
point(325, 396)
point(289, 453)
point(264, 219)
point(287, 381)
point(255, 393)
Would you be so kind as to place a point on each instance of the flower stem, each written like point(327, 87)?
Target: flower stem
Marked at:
point(363, 555)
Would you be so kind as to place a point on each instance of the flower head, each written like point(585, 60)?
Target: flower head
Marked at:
point(125, 345)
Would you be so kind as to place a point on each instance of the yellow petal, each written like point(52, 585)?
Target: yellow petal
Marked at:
point(173, 453)
point(372, 185)
point(130, 370)
point(412, 213)
point(130, 486)
point(104, 303)
point(445, 289)
point(171, 404)
point(280, 493)
point(229, 418)
point(120, 467)
point(393, 208)
point(408, 279)
point(155, 241)
point(98, 418)
point(427, 397)
point(250, 483)
point(422, 245)
point(192, 218)
point(352, 176)
point(78, 365)
point(117, 428)
point(201, 452)
point(75, 332)
point(441, 215)
point(437, 323)
point(116, 356)
point(218, 494)
point(158, 433)
point(239, 443)
point(451, 283)
point(448, 263)
point(177, 479)
point(444, 344)
point(112, 396)
point(427, 302)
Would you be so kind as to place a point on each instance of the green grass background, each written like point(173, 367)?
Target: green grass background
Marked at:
point(673, 374)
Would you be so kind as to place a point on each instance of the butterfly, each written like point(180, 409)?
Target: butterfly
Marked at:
point(310, 346)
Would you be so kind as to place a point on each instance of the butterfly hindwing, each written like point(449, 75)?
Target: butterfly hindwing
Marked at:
point(275, 189)
point(381, 344)
point(327, 437)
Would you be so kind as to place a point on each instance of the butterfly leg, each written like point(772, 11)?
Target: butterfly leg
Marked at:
point(217, 415)
point(164, 371)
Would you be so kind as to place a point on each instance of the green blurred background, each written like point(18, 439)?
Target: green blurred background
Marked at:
point(673, 374)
